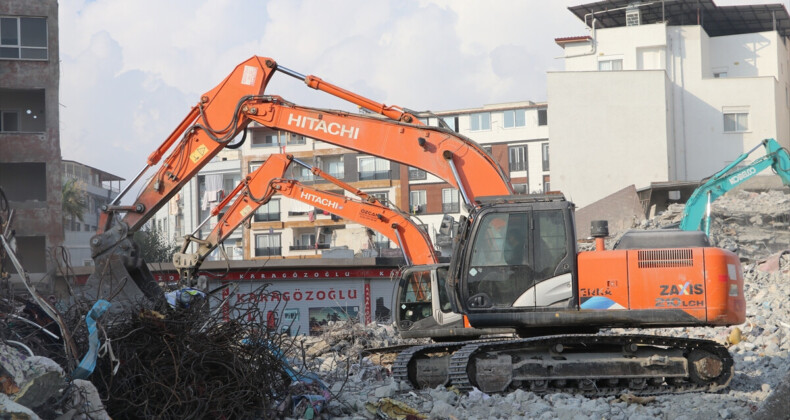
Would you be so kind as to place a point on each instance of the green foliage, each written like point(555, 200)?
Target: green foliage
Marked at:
point(154, 247)
point(74, 200)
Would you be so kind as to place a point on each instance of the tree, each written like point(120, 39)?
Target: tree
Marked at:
point(74, 200)
point(154, 247)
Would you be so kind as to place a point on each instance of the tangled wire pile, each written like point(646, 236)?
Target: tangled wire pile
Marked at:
point(191, 363)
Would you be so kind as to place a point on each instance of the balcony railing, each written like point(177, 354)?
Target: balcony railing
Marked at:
point(266, 217)
point(417, 174)
point(451, 207)
point(418, 208)
point(372, 175)
point(308, 247)
point(268, 251)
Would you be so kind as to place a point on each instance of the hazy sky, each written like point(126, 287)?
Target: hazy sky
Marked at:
point(130, 70)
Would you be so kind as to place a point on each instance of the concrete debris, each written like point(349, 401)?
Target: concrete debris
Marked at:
point(754, 225)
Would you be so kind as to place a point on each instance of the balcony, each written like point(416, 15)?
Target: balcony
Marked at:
point(268, 251)
point(374, 175)
point(418, 208)
point(308, 247)
point(451, 207)
point(417, 174)
point(266, 217)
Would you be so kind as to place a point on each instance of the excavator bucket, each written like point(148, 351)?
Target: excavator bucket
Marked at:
point(117, 260)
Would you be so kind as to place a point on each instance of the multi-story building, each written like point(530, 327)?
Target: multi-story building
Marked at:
point(98, 188)
point(30, 169)
point(284, 228)
point(666, 92)
point(515, 134)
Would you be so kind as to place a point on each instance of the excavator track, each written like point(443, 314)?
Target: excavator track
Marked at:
point(427, 366)
point(593, 365)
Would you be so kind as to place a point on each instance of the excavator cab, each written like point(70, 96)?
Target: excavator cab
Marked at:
point(419, 312)
point(519, 253)
point(423, 307)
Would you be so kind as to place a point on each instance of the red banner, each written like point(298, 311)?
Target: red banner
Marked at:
point(250, 275)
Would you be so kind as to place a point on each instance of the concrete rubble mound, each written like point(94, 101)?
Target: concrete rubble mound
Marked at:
point(753, 225)
point(230, 362)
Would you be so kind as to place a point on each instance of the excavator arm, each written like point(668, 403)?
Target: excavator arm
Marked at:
point(259, 187)
point(226, 110)
point(696, 214)
point(452, 157)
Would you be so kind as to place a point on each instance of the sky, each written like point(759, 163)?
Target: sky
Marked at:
point(131, 70)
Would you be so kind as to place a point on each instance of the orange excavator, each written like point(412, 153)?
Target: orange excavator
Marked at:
point(515, 263)
point(267, 180)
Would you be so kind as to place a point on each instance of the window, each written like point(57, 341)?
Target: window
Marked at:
point(522, 188)
point(450, 203)
point(610, 64)
point(267, 245)
point(381, 196)
point(452, 122)
point(515, 118)
point(517, 158)
point(23, 38)
point(480, 121)
point(333, 165)
point(300, 173)
point(542, 117)
point(544, 148)
point(9, 121)
point(269, 212)
point(417, 174)
point(261, 139)
point(24, 181)
point(546, 184)
point(418, 201)
point(373, 168)
point(720, 75)
point(305, 241)
point(735, 122)
point(296, 139)
point(381, 241)
point(488, 149)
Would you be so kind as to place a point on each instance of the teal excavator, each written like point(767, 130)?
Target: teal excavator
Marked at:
point(696, 214)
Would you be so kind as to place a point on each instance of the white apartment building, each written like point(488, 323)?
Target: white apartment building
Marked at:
point(665, 91)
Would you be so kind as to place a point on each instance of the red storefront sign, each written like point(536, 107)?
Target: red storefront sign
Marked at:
point(250, 275)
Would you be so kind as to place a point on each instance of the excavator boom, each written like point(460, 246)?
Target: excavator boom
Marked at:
point(696, 213)
point(259, 187)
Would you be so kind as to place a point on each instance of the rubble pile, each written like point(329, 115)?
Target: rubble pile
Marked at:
point(161, 362)
point(754, 226)
point(761, 349)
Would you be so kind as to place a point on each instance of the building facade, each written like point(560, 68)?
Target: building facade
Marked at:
point(98, 188)
point(515, 134)
point(30, 168)
point(666, 93)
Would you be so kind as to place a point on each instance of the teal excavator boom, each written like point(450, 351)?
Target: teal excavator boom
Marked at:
point(696, 215)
